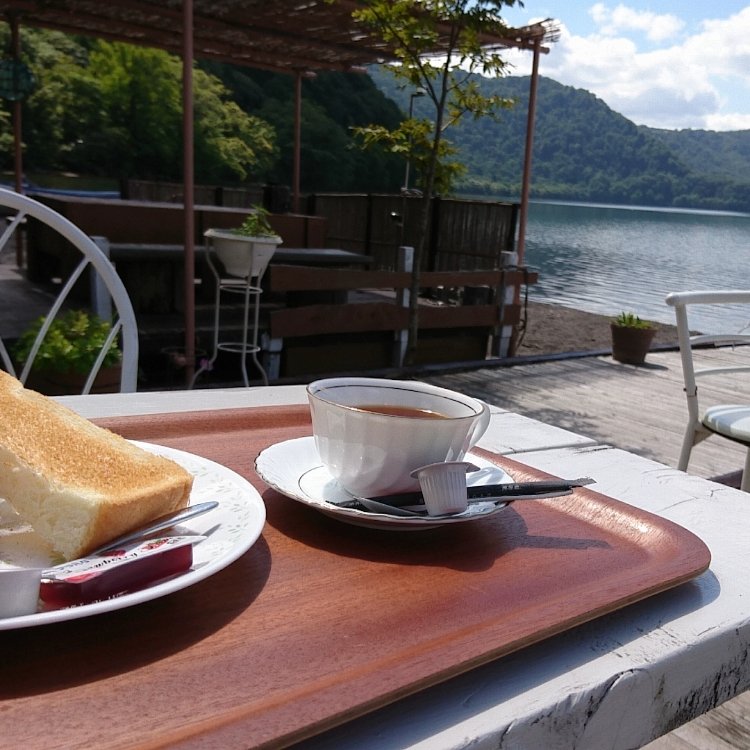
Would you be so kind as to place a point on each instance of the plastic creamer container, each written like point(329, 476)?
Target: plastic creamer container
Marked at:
point(119, 572)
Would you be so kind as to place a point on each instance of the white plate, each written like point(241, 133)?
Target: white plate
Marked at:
point(231, 529)
point(293, 468)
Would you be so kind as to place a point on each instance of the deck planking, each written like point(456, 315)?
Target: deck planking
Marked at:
point(640, 409)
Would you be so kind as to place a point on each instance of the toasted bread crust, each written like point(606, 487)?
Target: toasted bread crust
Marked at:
point(77, 484)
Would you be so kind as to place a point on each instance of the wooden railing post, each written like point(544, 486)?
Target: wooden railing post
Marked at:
point(404, 262)
point(502, 340)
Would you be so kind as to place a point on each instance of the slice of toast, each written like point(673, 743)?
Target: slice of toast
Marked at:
point(77, 484)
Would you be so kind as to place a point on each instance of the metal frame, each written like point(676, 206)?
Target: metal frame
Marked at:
point(731, 421)
point(124, 325)
point(250, 288)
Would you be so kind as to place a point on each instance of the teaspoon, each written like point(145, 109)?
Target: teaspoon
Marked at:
point(375, 506)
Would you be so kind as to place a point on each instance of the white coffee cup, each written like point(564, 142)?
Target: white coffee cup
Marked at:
point(372, 433)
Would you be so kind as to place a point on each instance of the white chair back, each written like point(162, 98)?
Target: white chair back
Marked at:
point(731, 420)
point(123, 324)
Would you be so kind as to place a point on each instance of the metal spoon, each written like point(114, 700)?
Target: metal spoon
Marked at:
point(388, 510)
point(157, 524)
point(394, 510)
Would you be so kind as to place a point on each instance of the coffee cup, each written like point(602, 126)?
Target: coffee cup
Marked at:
point(371, 433)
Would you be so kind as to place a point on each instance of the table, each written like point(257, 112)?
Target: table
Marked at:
point(321, 256)
point(615, 682)
point(153, 273)
point(130, 252)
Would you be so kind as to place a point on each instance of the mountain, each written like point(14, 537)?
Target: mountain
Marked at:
point(332, 103)
point(584, 151)
point(724, 154)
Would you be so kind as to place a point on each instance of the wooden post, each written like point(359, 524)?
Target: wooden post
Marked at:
point(501, 346)
point(188, 188)
point(15, 43)
point(404, 262)
point(525, 188)
point(296, 168)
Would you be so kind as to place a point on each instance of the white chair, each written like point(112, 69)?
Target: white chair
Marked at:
point(124, 323)
point(730, 420)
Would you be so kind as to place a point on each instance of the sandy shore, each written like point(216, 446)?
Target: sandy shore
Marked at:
point(553, 329)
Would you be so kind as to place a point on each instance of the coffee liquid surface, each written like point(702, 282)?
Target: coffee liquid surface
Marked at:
point(402, 411)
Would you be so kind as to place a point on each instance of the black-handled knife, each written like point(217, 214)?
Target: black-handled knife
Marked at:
point(494, 491)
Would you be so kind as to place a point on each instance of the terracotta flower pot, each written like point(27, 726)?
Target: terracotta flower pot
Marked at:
point(631, 345)
point(71, 383)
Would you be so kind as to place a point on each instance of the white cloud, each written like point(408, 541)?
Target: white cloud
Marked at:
point(656, 26)
point(701, 81)
point(727, 122)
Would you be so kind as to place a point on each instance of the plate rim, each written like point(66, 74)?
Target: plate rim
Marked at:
point(171, 585)
point(356, 517)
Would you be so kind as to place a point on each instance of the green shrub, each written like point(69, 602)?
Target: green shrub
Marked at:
point(256, 224)
point(629, 320)
point(72, 343)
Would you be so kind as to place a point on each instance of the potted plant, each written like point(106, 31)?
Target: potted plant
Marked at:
point(631, 338)
point(247, 250)
point(67, 355)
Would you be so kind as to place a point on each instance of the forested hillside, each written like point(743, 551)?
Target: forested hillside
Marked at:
point(113, 111)
point(584, 151)
point(332, 103)
point(725, 154)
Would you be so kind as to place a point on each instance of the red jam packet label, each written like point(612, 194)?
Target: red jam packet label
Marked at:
point(120, 571)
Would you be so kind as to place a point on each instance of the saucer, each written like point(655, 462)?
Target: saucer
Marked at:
point(294, 469)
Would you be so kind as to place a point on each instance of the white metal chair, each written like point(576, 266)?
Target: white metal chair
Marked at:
point(123, 324)
point(730, 420)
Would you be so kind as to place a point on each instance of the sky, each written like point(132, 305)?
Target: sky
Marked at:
point(670, 64)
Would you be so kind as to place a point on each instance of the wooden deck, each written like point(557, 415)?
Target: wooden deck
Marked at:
point(641, 410)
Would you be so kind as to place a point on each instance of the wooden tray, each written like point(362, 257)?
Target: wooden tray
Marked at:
point(321, 621)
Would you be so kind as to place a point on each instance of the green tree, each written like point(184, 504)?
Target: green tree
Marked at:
point(141, 94)
point(114, 109)
point(332, 103)
point(416, 30)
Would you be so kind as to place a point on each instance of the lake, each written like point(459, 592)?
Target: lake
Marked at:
point(606, 259)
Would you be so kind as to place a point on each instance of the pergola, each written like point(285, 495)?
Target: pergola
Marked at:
point(291, 36)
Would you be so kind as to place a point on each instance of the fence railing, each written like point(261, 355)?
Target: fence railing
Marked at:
point(463, 234)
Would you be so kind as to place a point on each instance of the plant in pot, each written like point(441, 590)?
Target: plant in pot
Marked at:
point(631, 338)
point(67, 355)
point(246, 250)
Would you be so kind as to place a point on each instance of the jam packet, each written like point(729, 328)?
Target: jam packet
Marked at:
point(120, 571)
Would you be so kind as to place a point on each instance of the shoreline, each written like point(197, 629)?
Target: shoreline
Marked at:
point(555, 329)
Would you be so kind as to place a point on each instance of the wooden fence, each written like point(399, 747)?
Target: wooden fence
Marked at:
point(463, 234)
point(209, 195)
point(334, 320)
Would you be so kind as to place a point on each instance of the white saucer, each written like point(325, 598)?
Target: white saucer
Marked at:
point(293, 468)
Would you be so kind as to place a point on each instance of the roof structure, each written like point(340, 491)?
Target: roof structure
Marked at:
point(292, 36)
point(281, 35)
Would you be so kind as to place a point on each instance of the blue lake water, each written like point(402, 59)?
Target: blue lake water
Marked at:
point(606, 259)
